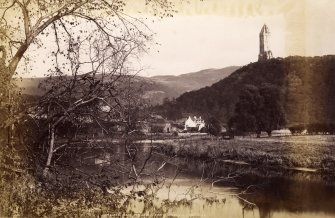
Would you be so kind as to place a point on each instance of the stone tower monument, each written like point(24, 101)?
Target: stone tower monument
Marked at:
point(264, 50)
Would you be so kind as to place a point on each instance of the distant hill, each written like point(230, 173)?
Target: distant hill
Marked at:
point(193, 81)
point(30, 85)
point(173, 86)
point(157, 87)
point(307, 86)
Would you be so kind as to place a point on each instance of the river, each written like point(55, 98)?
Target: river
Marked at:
point(213, 188)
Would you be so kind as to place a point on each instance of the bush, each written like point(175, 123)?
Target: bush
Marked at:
point(214, 126)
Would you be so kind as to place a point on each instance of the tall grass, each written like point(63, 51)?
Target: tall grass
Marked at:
point(294, 151)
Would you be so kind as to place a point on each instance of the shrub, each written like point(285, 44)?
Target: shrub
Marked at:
point(214, 126)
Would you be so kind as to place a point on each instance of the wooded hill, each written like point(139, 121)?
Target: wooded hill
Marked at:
point(307, 86)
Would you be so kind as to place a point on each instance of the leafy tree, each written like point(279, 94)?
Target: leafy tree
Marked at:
point(214, 126)
point(169, 109)
point(247, 109)
point(272, 112)
point(259, 109)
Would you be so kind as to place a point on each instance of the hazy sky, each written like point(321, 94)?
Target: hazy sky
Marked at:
point(192, 43)
point(215, 34)
point(219, 33)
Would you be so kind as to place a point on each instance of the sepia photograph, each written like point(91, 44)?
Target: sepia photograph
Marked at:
point(167, 108)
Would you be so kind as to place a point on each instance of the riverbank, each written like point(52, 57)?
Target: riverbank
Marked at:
point(305, 153)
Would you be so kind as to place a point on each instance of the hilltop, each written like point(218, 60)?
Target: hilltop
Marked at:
point(307, 87)
point(195, 80)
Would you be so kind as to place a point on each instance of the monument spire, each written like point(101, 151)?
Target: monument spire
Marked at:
point(264, 50)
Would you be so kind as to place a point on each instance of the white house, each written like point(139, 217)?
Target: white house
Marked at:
point(194, 123)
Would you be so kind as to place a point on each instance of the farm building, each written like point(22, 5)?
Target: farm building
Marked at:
point(194, 123)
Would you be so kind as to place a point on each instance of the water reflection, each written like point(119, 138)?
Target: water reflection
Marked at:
point(221, 187)
point(289, 196)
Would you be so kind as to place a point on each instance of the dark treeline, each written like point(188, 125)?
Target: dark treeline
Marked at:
point(313, 128)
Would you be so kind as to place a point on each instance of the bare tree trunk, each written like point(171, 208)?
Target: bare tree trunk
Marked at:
point(8, 73)
point(10, 127)
point(50, 152)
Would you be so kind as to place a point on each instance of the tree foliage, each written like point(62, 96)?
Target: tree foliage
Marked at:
point(306, 85)
point(259, 109)
point(214, 126)
point(273, 115)
point(168, 109)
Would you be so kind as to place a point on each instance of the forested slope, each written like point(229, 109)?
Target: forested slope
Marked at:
point(307, 87)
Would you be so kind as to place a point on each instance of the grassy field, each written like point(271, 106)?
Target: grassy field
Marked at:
point(314, 152)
